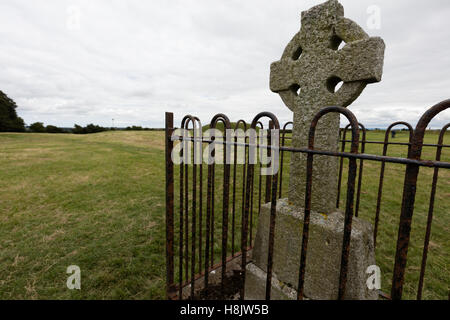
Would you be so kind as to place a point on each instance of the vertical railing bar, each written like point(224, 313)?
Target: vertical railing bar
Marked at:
point(246, 205)
point(180, 266)
point(194, 209)
point(235, 172)
point(182, 202)
point(305, 231)
point(200, 210)
point(348, 215)
point(260, 167)
point(225, 205)
point(186, 207)
point(282, 158)
point(430, 213)
point(251, 205)
point(213, 206)
point(409, 197)
point(269, 154)
point(233, 215)
point(251, 209)
point(169, 203)
point(360, 174)
point(382, 170)
point(244, 238)
point(208, 215)
point(341, 166)
point(273, 126)
point(244, 180)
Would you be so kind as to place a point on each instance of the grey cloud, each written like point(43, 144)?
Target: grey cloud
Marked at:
point(134, 60)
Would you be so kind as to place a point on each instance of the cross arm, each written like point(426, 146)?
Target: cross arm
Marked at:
point(362, 60)
point(281, 75)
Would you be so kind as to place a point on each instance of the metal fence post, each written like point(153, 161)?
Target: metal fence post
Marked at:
point(169, 203)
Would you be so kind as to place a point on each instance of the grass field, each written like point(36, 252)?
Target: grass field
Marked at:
point(97, 201)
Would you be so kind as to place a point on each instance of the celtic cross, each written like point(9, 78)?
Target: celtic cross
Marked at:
point(307, 78)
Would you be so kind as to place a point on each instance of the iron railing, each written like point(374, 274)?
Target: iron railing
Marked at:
point(193, 219)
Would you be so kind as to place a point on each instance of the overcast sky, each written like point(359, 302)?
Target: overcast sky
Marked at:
point(67, 62)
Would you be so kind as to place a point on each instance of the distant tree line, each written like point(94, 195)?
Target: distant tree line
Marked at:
point(40, 128)
point(139, 128)
point(10, 122)
point(90, 128)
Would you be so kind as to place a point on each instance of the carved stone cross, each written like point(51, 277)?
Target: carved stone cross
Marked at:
point(306, 78)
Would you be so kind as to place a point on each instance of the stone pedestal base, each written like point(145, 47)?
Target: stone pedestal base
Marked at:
point(323, 256)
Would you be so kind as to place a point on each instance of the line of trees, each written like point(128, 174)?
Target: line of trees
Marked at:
point(90, 128)
point(40, 128)
point(10, 122)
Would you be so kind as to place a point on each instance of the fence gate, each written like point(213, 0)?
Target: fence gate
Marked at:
point(211, 217)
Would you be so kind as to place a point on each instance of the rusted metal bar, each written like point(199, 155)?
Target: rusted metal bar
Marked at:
point(200, 210)
point(194, 207)
point(182, 202)
point(261, 128)
point(226, 189)
point(186, 207)
point(233, 206)
point(213, 206)
point(349, 204)
point(260, 166)
point(430, 213)
point(409, 196)
point(273, 206)
point(244, 216)
point(349, 208)
point(180, 248)
point(169, 204)
point(420, 163)
point(209, 249)
point(233, 210)
point(269, 155)
point(244, 179)
point(361, 166)
point(187, 159)
point(341, 166)
point(383, 166)
point(250, 172)
point(283, 141)
point(403, 143)
point(209, 204)
point(251, 210)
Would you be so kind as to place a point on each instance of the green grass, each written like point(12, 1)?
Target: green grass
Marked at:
point(97, 201)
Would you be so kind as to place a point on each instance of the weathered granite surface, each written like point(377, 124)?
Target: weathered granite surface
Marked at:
point(313, 64)
point(322, 260)
point(255, 286)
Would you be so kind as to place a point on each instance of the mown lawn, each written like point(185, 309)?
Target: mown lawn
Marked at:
point(97, 201)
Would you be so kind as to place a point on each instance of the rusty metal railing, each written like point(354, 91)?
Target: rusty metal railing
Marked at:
point(196, 222)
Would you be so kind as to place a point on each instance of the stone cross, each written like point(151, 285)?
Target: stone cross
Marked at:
point(306, 78)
